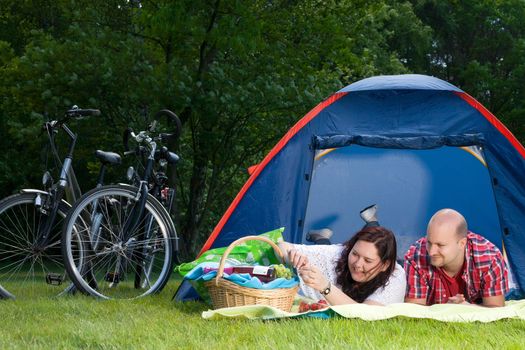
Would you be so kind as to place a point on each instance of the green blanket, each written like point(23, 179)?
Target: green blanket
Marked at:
point(249, 252)
point(442, 312)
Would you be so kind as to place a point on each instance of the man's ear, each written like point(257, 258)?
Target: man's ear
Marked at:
point(463, 242)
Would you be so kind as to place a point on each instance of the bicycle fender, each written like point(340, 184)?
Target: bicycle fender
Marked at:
point(126, 185)
point(33, 190)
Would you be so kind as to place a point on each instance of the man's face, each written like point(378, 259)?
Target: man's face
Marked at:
point(445, 247)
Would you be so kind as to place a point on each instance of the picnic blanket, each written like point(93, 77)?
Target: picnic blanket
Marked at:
point(199, 273)
point(440, 312)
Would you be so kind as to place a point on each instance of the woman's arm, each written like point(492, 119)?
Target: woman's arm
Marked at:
point(313, 278)
point(292, 255)
point(285, 247)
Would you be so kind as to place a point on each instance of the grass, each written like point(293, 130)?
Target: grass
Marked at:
point(158, 323)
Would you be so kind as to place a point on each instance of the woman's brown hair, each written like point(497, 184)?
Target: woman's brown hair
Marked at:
point(385, 243)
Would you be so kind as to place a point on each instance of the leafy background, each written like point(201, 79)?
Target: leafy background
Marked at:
point(238, 74)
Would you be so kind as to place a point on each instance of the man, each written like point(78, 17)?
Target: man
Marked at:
point(453, 265)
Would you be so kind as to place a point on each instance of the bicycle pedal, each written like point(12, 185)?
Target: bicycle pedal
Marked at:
point(112, 277)
point(54, 279)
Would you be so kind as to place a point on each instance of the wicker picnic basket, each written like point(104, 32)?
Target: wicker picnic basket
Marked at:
point(224, 293)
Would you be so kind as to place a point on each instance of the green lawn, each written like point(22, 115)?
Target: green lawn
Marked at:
point(158, 323)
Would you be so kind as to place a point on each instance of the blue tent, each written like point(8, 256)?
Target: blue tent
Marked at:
point(412, 144)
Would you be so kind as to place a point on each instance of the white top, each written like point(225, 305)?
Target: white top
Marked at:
point(325, 258)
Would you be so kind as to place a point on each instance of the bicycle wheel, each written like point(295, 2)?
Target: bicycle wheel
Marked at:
point(31, 264)
point(118, 264)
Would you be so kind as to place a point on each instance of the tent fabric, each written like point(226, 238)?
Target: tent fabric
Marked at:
point(397, 82)
point(394, 114)
point(413, 142)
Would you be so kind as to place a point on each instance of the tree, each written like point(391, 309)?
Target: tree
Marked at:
point(238, 73)
point(479, 46)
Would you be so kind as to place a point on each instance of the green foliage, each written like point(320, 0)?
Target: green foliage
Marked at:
point(88, 67)
point(479, 46)
point(19, 19)
point(248, 72)
point(239, 74)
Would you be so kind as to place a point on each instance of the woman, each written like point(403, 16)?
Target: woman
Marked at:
point(362, 270)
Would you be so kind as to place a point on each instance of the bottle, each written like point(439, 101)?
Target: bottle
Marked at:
point(263, 273)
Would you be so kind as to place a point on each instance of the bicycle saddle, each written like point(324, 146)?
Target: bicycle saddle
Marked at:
point(108, 157)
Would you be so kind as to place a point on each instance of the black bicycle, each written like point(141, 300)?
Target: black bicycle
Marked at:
point(119, 240)
point(30, 222)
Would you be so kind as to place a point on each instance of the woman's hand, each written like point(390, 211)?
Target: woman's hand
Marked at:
point(297, 259)
point(313, 277)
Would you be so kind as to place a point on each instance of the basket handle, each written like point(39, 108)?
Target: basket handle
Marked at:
point(239, 241)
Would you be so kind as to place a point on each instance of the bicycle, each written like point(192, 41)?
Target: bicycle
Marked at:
point(158, 186)
point(127, 240)
point(31, 222)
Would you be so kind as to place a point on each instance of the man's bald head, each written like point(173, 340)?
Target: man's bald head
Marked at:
point(450, 218)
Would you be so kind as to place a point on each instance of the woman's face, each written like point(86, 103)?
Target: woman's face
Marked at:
point(364, 262)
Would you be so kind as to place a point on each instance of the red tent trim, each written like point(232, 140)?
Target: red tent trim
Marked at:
point(252, 168)
point(494, 121)
point(259, 167)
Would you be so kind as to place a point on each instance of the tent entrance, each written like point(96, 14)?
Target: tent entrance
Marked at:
point(408, 185)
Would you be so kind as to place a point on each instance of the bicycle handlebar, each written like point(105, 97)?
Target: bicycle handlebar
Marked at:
point(174, 119)
point(80, 113)
point(75, 112)
point(164, 137)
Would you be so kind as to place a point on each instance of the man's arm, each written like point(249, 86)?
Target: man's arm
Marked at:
point(421, 301)
point(495, 281)
point(496, 301)
point(416, 286)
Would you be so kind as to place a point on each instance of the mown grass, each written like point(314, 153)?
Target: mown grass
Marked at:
point(158, 323)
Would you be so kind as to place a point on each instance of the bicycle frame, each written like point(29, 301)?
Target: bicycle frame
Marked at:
point(56, 193)
point(137, 213)
point(124, 229)
point(142, 194)
point(32, 217)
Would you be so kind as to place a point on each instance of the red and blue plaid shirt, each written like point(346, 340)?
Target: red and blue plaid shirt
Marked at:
point(485, 274)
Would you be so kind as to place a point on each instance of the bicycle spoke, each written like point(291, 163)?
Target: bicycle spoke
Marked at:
point(17, 269)
point(121, 264)
point(16, 248)
point(17, 263)
point(25, 262)
point(106, 222)
point(57, 259)
point(19, 235)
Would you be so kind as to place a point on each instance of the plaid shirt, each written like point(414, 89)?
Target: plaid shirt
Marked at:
point(485, 274)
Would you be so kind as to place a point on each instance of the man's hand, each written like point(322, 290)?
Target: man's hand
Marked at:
point(457, 299)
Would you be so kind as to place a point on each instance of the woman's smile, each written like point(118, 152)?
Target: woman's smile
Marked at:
point(363, 261)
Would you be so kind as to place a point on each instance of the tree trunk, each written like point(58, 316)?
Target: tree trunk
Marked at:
point(196, 196)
